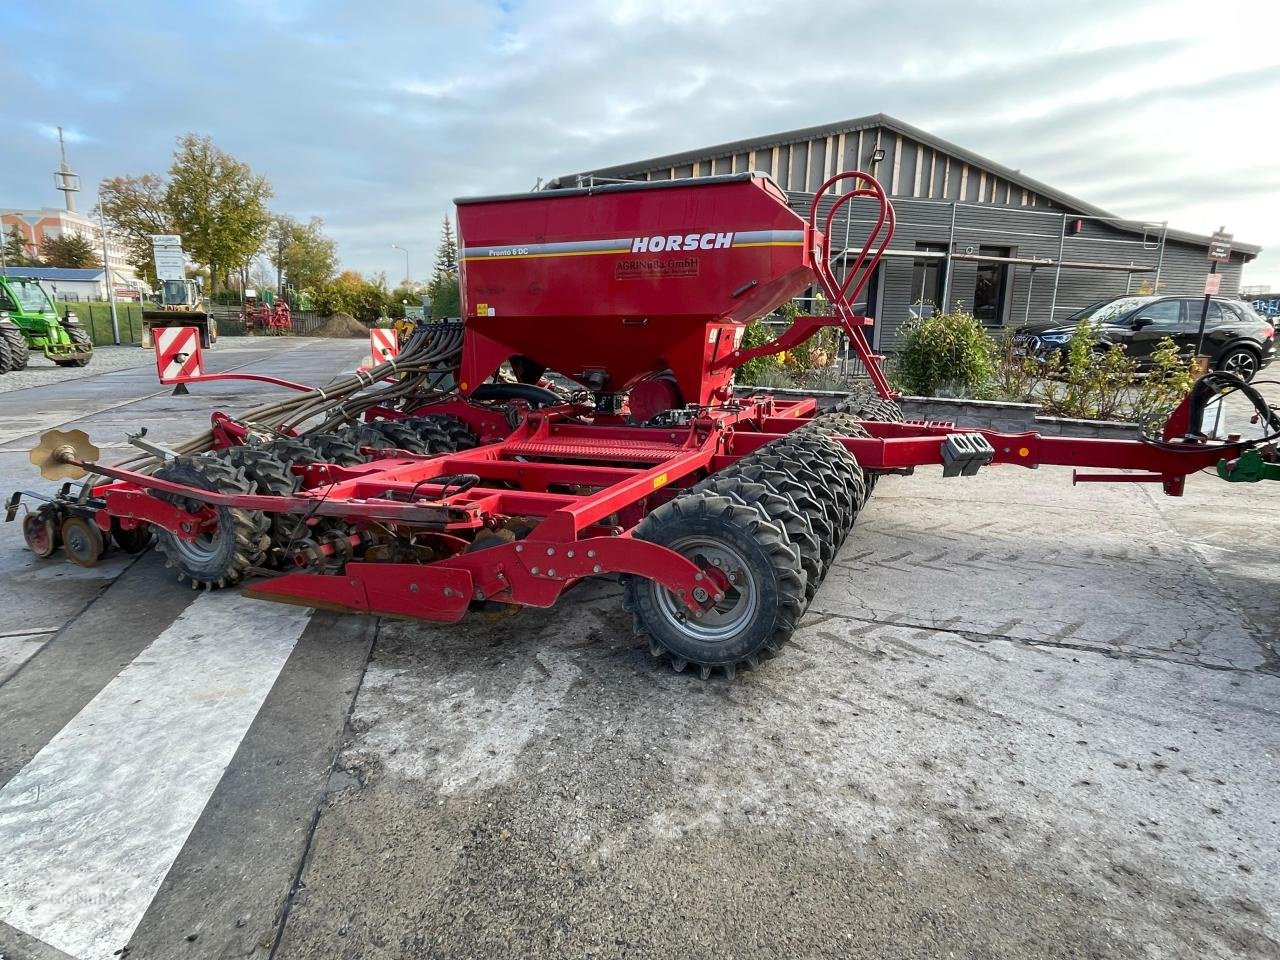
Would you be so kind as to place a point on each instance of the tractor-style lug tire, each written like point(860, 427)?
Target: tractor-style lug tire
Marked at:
point(225, 555)
point(402, 436)
point(760, 609)
point(334, 448)
point(829, 484)
point(831, 453)
point(867, 405)
point(842, 425)
point(6, 355)
point(270, 476)
point(83, 344)
point(432, 433)
point(369, 437)
point(808, 503)
point(835, 425)
point(780, 510)
point(19, 353)
point(462, 435)
point(288, 450)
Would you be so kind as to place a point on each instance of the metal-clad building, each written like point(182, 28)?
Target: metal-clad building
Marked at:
point(970, 231)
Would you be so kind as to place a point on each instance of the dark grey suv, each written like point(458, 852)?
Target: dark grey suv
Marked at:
point(1236, 339)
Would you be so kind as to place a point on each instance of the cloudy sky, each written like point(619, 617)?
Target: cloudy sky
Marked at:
point(374, 115)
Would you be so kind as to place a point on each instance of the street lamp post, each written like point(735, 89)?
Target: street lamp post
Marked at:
point(396, 246)
point(111, 287)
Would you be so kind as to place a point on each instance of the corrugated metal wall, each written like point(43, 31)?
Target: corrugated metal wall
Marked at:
point(908, 169)
point(989, 211)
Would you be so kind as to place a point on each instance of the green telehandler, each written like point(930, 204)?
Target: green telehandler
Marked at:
point(29, 321)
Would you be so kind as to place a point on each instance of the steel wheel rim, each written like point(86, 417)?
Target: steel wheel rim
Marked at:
point(195, 551)
point(203, 548)
point(1241, 363)
point(726, 618)
point(76, 540)
point(38, 534)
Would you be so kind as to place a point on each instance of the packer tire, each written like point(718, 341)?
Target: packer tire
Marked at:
point(808, 504)
point(431, 433)
point(237, 543)
point(781, 510)
point(334, 448)
point(842, 425)
point(367, 435)
point(867, 405)
point(401, 435)
point(763, 609)
point(270, 476)
point(831, 453)
point(822, 477)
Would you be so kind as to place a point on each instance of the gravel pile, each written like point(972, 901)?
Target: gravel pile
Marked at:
point(341, 325)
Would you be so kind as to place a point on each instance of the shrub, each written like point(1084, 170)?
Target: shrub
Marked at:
point(773, 376)
point(816, 353)
point(804, 361)
point(949, 353)
point(351, 293)
point(757, 333)
point(1093, 380)
point(1169, 380)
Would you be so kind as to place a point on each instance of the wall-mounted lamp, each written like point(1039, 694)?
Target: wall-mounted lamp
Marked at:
point(877, 154)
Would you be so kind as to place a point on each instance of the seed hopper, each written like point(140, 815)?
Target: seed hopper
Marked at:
point(580, 420)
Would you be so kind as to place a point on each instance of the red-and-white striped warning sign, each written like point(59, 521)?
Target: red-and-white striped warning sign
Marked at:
point(383, 344)
point(178, 353)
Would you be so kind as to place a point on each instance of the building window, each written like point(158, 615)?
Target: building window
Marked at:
point(991, 292)
point(928, 275)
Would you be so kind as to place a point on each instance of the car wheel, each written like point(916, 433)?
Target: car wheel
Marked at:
point(1241, 361)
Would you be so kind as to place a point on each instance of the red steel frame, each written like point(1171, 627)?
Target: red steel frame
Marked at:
point(555, 453)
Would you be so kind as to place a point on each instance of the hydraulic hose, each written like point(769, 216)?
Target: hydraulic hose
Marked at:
point(432, 351)
point(1223, 384)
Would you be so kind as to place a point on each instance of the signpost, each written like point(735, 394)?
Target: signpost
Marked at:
point(171, 264)
point(1219, 252)
point(1220, 246)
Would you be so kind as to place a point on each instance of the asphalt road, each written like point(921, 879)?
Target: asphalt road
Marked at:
point(1020, 719)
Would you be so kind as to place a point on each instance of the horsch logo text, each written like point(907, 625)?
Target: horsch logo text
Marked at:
point(690, 241)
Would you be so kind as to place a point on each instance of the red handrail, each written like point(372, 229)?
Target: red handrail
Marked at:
point(860, 273)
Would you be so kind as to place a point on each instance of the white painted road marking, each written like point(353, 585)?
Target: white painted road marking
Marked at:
point(90, 827)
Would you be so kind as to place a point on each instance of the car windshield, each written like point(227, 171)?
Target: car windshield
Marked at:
point(1108, 311)
point(31, 296)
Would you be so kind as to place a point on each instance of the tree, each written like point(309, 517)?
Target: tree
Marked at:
point(218, 205)
point(135, 208)
point(70, 250)
point(443, 288)
point(16, 249)
point(447, 252)
point(351, 293)
point(301, 253)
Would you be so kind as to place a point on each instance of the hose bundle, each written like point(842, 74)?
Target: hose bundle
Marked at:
point(1222, 384)
point(430, 356)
